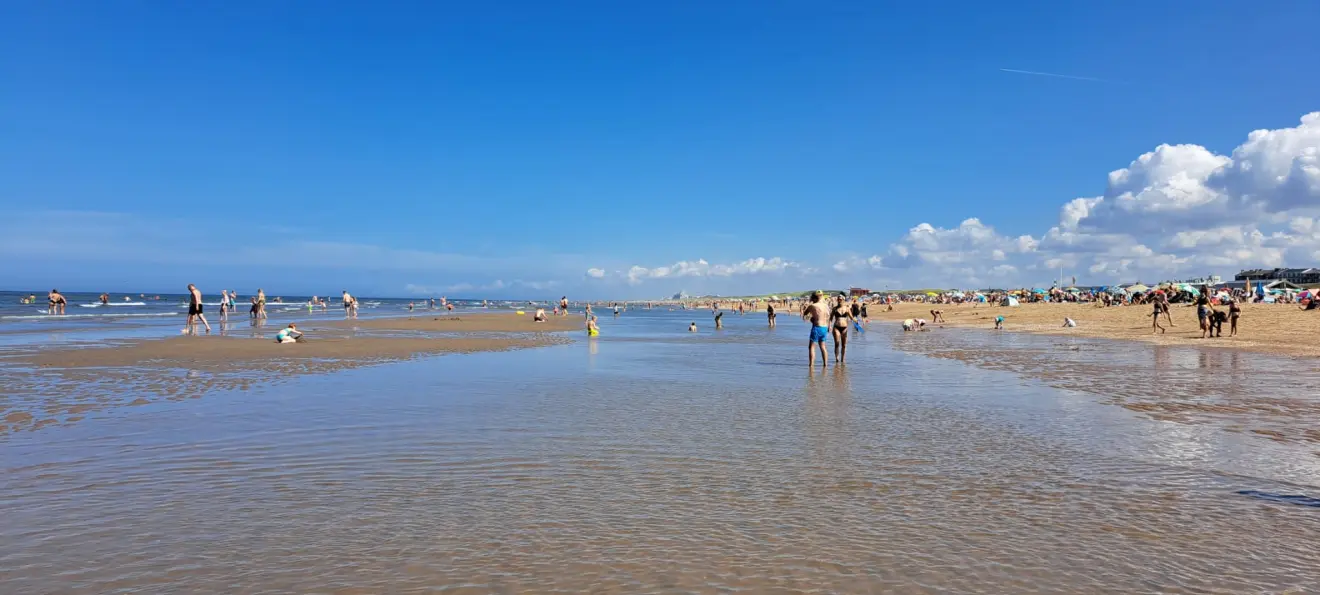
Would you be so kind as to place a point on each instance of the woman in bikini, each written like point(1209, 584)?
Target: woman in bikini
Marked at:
point(841, 317)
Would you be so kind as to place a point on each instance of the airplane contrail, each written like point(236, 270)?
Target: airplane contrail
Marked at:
point(1059, 76)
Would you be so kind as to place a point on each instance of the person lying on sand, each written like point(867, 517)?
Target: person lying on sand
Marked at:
point(289, 334)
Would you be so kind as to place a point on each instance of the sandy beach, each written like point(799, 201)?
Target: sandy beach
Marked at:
point(61, 384)
point(1264, 328)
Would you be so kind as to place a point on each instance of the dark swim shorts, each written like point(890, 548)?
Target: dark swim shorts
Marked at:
point(194, 309)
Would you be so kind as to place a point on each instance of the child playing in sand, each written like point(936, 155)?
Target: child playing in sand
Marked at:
point(540, 315)
point(1069, 323)
point(289, 334)
point(999, 323)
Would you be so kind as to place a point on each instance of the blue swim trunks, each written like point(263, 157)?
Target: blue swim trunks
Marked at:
point(818, 334)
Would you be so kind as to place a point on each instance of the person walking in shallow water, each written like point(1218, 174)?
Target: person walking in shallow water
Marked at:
point(818, 314)
point(841, 316)
point(195, 308)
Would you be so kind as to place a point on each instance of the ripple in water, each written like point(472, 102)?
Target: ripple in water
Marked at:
point(639, 467)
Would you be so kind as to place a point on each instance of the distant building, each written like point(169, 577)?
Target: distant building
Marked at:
point(858, 292)
point(1297, 276)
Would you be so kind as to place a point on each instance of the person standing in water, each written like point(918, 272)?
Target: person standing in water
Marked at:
point(261, 303)
point(195, 308)
point(818, 314)
point(770, 314)
point(719, 323)
point(55, 302)
point(224, 307)
point(105, 299)
point(563, 306)
point(841, 316)
point(592, 329)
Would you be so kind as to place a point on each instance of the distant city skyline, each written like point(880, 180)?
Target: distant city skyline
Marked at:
point(528, 151)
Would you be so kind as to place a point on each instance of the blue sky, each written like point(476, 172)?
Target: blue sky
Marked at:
point(425, 147)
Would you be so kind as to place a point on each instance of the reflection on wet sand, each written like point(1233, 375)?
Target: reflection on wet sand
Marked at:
point(1238, 391)
point(678, 465)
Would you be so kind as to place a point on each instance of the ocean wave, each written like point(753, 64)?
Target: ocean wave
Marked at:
point(99, 304)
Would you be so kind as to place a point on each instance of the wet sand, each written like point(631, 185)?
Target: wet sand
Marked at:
point(464, 323)
point(1277, 329)
point(688, 465)
point(62, 384)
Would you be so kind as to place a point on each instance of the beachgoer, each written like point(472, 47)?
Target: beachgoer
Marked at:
point(909, 324)
point(770, 314)
point(1163, 299)
point(616, 311)
point(841, 316)
point(1069, 323)
point(1217, 320)
point(563, 305)
point(692, 328)
point(252, 312)
point(289, 334)
point(449, 307)
point(818, 314)
point(1156, 310)
point(866, 318)
point(719, 322)
point(261, 303)
point(56, 302)
point(999, 323)
point(224, 306)
point(587, 312)
point(195, 308)
point(1234, 311)
point(410, 307)
point(1203, 315)
point(105, 299)
point(540, 315)
point(592, 329)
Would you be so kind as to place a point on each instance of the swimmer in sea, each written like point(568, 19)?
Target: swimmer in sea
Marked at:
point(692, 328)
point(592, 329)
point(290, 334)
point(105, 299)
point(818, 314)
point(841, 316)
point(56, 302)
point(770, 314)
point(195, 308)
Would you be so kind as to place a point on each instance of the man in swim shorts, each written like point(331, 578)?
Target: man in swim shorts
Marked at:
point(770, 313)
point(195, 309)
point(818, 313)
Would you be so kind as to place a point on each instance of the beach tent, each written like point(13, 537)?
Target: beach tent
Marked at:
point(931, 293)
point(1038, 291)
point(1009, 301)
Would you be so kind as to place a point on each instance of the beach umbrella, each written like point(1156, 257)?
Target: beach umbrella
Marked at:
point(1038, 291)
point(1138, 288)
point(931, 293)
